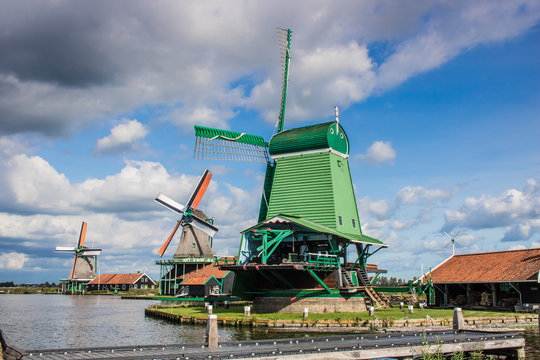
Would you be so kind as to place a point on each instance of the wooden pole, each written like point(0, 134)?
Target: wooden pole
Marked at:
point(212, 332)
point(458, 321)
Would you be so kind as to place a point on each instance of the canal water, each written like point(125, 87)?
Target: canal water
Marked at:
point(59, 321)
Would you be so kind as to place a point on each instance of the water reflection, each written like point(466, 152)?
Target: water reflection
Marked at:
point(57, 321)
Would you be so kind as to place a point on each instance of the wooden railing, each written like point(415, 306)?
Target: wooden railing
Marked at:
point(322, 261)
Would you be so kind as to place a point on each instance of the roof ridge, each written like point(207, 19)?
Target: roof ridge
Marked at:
point(498, 251)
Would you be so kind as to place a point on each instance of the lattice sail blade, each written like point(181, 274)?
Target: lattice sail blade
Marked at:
point(216, 144)
point(284, 39)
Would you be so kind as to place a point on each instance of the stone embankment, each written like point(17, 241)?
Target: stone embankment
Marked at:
point(374, 324)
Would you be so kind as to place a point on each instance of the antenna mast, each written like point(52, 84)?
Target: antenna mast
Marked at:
point(284, 35)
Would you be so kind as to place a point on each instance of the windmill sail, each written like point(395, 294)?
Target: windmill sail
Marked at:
point(191, 216)
point(84, 258)
point(284, 35)
point(217, 144)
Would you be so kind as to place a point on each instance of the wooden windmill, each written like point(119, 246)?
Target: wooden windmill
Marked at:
point(194, 248)
point(84, 267)
point(308, 216)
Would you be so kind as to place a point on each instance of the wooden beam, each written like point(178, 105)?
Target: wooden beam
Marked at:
point(312, 273)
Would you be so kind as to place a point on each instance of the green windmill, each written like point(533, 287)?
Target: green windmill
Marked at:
point(308, 219)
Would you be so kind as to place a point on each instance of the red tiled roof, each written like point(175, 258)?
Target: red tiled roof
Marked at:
point(203, 274)
point(117, 279)
point(500, 266)
point(226, 260)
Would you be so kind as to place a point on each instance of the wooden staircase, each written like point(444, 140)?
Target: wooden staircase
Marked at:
point(375, 298)
point(362, 276)
point(346, 278)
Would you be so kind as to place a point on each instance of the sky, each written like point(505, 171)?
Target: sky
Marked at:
point(440, 101)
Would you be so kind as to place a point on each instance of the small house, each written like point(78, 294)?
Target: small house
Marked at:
point(121, 282)
point(206, 281)
point(501, 279)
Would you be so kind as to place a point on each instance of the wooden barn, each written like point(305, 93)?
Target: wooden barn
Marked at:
point(502, 279)
point(121, 282)
point(206, 281)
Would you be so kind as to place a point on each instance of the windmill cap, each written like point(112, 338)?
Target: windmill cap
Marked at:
point(329, 135)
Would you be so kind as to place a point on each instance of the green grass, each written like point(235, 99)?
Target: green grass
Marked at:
point(382, 314)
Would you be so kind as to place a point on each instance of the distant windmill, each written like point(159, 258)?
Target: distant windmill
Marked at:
point(452, 240)
point(191, 218)
point(84, 260)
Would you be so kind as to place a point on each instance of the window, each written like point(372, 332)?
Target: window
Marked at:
point(353, 223)
point(124, 287)
point(214, 290)
point(340, 219)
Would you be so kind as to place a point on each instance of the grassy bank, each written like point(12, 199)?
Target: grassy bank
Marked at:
point(29, 290)
point(237, 312)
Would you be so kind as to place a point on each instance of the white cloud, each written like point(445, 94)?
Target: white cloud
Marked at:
point(200, 115)
point(379, 152)
point(123, 138)
point(511, 208)
point(10, 146)
point(46, 210)
point(437, 42)
point(325, 76)
point(395, 215)
point(32, 184)
point(131, 59)
point(433, 245)
point(414, 194)
point(12, 260)
point(517, 232)
point(379, 209)
point(391, 224)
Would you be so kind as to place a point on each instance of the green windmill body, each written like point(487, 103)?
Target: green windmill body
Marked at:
point(328, 197)
point(308, 218)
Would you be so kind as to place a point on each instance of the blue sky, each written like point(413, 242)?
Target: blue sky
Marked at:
point(440, 102)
